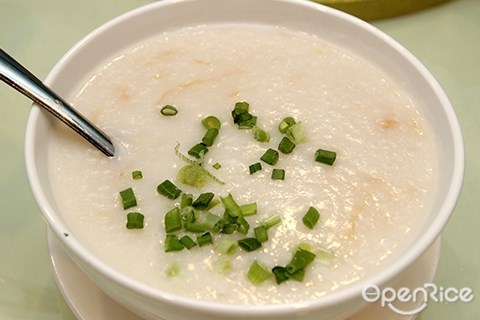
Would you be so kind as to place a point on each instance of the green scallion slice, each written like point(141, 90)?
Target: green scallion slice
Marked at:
point(128, 198)
point(226, 246)
point(135, 220)
point(195, 227)
point(172, 243)
point(172, 270)
point(186, 200)
point(169, 110)
point(278, 174)
point(261, 233)
point(300, 260)
point(258, 273)
point(213, 222)
point(311, 217)
point(173, 220)
point(270, 156)
point(255, 167)
point(210, 136)
point(286, 146)
point(217, 166)
point(198, 150)
point(242, 225)
point(231, 206)
point(188, 242)
point(137, 175)
point(296, 133)
point(298, 276)
point(204, 239)
point(271, 221)
point(325, 156)
point(249, 244)
point(249, 209)
point(169, 190)
point(280, 274)
point(211, 122)
point(260, 135)
point(285, 124)
point(203, 201)
point(188, 214)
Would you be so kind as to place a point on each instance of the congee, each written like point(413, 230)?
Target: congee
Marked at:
point(254, 165)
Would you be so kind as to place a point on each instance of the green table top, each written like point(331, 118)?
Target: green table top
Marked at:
point(445, 38)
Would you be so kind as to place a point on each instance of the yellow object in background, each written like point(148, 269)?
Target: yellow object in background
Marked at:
point(379, 9)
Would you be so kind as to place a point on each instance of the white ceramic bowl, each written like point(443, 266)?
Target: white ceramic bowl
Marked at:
point(331, 25)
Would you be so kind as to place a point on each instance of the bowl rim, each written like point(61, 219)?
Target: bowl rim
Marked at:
point(332, 298)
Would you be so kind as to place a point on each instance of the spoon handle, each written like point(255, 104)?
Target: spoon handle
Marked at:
point(19, 78)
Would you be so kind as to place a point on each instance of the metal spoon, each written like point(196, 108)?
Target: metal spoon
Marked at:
point(19, 78)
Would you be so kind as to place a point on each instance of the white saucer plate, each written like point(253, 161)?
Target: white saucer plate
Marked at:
point(88, 302)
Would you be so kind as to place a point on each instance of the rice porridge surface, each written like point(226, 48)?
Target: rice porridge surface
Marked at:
point(371, 200)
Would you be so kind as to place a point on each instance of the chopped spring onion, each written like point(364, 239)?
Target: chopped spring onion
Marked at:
point(296, 133)
point(128, 198)
point(278, 174)
point(231, 206)
point(173, 220)
point(261, 233)
point(172, 270)
point(258, 273)
point(285, 124)
point(298, 276)
point(222, 265)
point(241, 107)
point(300, 260)
point(242, 225)
point(226, 246)
point(271, 221)
point(195, 227)
point(169, 190)
point(188, 214)
point(211, 122)
point(186, 200)
point(204, 239)
point(213, 222)
point(280, 274)
point(260, 135)
point(286, 146)
point(242, 117)
point(137, 175)
point(203, 200)
point(213, 203)
point(169, 110)
point(172, 243)
point(188, 242)
point(217, 166)
point(325, 156)
point(270, 156)
point(135, 220)
point(198, 150)
point(310, 218)
point(249, 244)
point(210, 136)
point(196, 176)
point(255, 167)
point(249, 209)
point(229, 228)
point(192, 175)
point(325, 255)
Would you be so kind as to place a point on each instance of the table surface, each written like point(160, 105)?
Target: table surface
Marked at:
point(445, 38)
